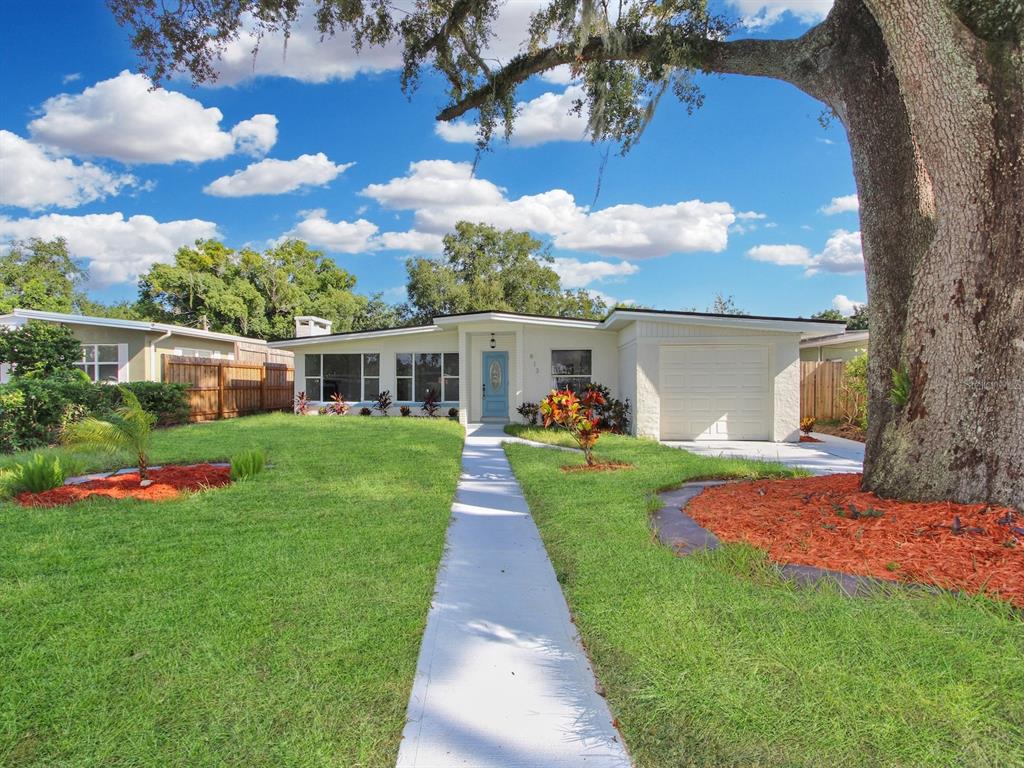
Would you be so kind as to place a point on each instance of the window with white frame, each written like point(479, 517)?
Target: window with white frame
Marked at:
point(421, 373)
point(571, 368)
point(355, 376)
point(101, 362)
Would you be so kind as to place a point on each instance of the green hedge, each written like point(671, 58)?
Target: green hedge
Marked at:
point(34, 411)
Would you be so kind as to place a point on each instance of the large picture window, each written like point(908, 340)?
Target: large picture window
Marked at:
point(418, 374)
point(570, 368)
point(100, 362)
point(356, 377)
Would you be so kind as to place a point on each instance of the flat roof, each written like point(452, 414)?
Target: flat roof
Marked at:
point(847, 337)
point(133, 325)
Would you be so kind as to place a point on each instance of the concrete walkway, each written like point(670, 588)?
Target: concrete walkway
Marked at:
point(502, 679)
point(832, 455)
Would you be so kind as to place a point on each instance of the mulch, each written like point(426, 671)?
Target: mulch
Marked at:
point(600, 466)
point(809, 439)
point(168, 483)
point(830, 523)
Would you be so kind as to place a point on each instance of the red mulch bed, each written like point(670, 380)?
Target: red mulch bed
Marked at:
point(799, 521)
point(168, 483)
point(809, 439)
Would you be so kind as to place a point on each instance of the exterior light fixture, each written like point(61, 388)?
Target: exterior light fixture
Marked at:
point(493, 342)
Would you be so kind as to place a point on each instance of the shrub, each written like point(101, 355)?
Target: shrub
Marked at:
point(529, 412)
point(12, 403)
point(129, 428)
point(338, 406)
point(37, 473)
point(167, 402)
point(383, 402)
point(39, 349)
point(612, 414)
point(453, 413)
point(807, 424)
point(364, 411)
point(854, 388)
point(563, 408)
point(247, 463)
point(405, 410)
point(430, 406)
point(301, 404)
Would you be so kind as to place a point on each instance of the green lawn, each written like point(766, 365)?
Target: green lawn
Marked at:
point(274, 622)
point(711, 660)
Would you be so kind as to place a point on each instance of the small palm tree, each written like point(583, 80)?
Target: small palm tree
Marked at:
point(130, 428)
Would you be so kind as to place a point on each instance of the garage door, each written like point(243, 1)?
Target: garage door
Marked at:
point(715, 393)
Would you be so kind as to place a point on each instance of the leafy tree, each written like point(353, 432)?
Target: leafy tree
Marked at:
point(829, 314)
point(858, 321)
point(39, 349)
point(931, 93)
point(39, 274)
point(253, 293)
point(724, 305)
point(485, 268)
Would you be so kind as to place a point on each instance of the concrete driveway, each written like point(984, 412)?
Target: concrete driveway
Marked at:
point(832, 455)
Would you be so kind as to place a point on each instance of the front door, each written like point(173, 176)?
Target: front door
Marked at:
point(495, 375)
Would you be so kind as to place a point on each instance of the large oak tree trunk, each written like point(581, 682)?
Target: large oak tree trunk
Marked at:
point(943, 227)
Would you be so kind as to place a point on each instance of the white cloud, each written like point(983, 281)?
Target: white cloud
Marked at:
point(118, 249)
point(842, 253)
point(71, 77)
point(579, 274)
point(31, 177)
point(783, 255)
point(340, 236)
point(123, 119)
point(543, 119)
point(761, 14)
point(441, 193)
point(421, 242)
point(845, 305)
point(255, 136)
point(844, 204)
point(275, 177)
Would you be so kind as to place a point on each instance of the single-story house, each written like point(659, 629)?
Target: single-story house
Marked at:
point(115, 350)
point(687, 375)
point(834, 346)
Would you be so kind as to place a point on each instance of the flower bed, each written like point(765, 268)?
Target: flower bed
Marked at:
point(830, 523)
point(168, 483)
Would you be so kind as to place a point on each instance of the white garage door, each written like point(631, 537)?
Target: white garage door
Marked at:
point(715, 393)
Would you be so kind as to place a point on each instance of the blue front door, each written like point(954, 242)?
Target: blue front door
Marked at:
point(495, 375)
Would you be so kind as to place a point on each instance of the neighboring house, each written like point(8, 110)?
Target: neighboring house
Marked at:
point(834, 346)
point(688, 375)
point(116, 350)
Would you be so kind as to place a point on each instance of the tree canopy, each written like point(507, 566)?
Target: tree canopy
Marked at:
point(254, 293)
point(485, 268)
point(39, 274)
point(39, 349)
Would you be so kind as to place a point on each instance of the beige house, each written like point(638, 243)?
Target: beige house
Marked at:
point(687, 375)
point(116, 350)
point(834, 346)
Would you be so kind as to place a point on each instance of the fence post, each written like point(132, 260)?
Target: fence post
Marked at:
point(220, 389)
point(263, 386)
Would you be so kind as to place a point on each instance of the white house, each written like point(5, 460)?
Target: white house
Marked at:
point(688, 375)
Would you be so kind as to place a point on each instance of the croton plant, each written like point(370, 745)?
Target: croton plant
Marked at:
point(575, 414)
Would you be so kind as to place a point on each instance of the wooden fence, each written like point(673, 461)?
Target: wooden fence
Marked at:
point(821, 393)
point(221, 389)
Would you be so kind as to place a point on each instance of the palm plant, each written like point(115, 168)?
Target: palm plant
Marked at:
point(130, 428)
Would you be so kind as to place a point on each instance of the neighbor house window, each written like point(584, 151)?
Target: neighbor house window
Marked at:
point(100, 362)
point(355, 377)
point(420, 373)
point(570, 368)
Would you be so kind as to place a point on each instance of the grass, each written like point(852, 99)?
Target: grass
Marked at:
point(552, 436)
point(271, 622)
point(712, 660)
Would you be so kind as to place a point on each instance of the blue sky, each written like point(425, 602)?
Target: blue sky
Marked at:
point(740, 197)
